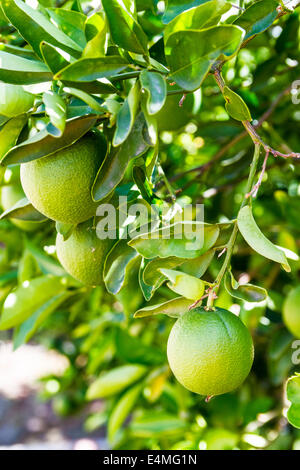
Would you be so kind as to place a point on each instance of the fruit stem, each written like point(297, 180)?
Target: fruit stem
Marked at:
point(231, 242)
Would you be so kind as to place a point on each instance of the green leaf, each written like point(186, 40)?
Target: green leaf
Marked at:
point(258, 17)
point(55, 58)
point(46, 263)
point(95, 31)
point(198, 266)
point(148, 291)
point(256, 239)
point(126, 116)
point(28, 328)
point(115, 380)
point(154, 85)
point(28, 298)
point(18, 51)
point(36, 28)
point(87, 98)
point(173, 308)
point(64, 229)
point(152, 274)
point(23, 210)
point(72, 23)
point(116, 265)
point(10, 132)
point(43, 143)
point(124, 28)
point(27, 268)
point(175, 7)
point(246, 292)
point(56, 109)
point(183, 240)
point(293, 395)
point(190, 54)
point(89, 69)
point(115, 164)
point(132, 349)
point(8, 277)
point(19, 71)
point(204, 16)
point(236, 106)
point(122, 410)
point(183, 284)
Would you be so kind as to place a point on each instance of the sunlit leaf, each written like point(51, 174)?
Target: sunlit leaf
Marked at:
point(190, 54)
point(257, 240)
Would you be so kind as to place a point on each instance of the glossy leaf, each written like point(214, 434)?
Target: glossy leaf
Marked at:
point(183, 284)
point(124, 28)
point(154, 85)
point(182, 240)
point(19, 71)
point(10, 132)
point(28, 298)
point(257, 240)
point(152, 274)
point(87, 98)
point(175, 7)
point(72, 23)
point(43, 143)
point(122, 410)
point(36, 28)
point(246, 292)
point(89, 69)
point(198, 266)
point(115, 380)
point(95, 31)
point(147, 291)
point(23, 210)
point(190, 54)
point(114, 166)
point(126, 116)
point(55, 58)
point(64, 229)
point(116, 264)
point(173, 308)
point(56, 108)
point(236, 106)
point(258, 17)
point(204, 16)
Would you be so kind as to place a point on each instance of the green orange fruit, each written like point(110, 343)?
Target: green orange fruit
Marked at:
point(14, 100)
point(210, 352)
point(59, 185)
point(291, 312)
point(83, 254)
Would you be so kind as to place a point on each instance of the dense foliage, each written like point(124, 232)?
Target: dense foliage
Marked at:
point(189, 102)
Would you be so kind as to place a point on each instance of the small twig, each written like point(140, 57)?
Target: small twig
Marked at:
point(182, 100)
point(256, 187)
point(258, 140)
point(238, 7)
point(206, 166)
point(222, 252)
